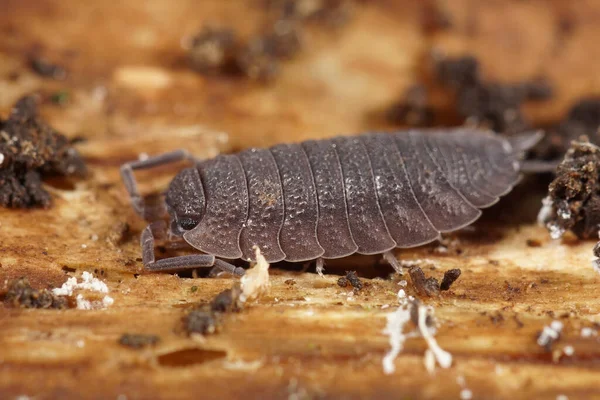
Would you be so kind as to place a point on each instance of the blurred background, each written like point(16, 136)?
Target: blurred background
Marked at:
point(266, 71)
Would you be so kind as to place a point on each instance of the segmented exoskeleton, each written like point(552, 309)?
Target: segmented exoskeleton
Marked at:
point(323, 199)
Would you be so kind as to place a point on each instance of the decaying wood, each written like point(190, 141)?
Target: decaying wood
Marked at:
point(129, 90)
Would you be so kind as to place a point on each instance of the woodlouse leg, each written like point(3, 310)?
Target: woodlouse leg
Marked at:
point(320, 266)
point(180, 262)
point(390, 258)
point(130, 183)
point(223, 266)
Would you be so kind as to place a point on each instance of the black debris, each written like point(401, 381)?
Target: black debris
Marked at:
point(538, 89)
point(226, 301)
point(206, 319)
point(202, 321)
point(20, 294)
point(423, 285)
point(29, 150)
point(450, 277)
point(47, 69)
point(259, 57)
point(351, 279)
point(582, 120)
point(478, 102)
point(342, 282)
point(138, 340)
point(494, 106)
point(413, 110)
point(414, 305)
point(255, 61)
point(213, 50)
point(458, 72)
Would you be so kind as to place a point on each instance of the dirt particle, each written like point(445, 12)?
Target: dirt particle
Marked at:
point(352, 279)
point(138, 340)
point(533, 243)
point(573, 201)
point(207, 318)
point(583, 119)
point(202, 321)
point(450, 277)
point(497, 318)
point(20, 294)
point(290, 282)
point(511, 289)
point(226, 301)
point(47, 69)
point(413, 110)
point(424, 286)
point(30, 150)
point(414, 305)
point(213, 50)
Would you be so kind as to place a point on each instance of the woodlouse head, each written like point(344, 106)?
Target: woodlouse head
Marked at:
point(185, 201)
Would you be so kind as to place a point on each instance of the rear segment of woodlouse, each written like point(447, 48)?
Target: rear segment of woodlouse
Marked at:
point(331, 198)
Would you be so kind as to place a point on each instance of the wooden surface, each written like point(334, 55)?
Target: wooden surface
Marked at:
point(130, 92)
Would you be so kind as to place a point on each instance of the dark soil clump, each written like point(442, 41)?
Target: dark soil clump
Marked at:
point(30, 150)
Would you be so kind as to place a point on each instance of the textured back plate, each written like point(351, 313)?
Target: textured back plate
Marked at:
point(333, 229)
point(298, 236)
point(366, 221)
point(265, 206)
point(226, 197)
point(404, 218)
point(446, 208)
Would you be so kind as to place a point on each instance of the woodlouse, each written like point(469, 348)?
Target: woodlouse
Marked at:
point(365, 194)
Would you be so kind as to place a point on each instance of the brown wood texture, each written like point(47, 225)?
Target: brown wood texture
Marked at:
point(131, 92)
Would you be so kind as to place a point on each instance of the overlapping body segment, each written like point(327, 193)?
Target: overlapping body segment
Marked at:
point(298, 236)
point(357, 194)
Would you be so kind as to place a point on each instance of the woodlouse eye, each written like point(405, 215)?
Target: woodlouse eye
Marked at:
point(187, 223)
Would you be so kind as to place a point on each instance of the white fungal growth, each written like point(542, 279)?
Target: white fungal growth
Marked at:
point(83, 304)
point(394, 327)
point(443, 358)
point(255, 281)
point(466, 394)
point(88, 282)
point(429, 361)
point(545, 212)
point(107, 301)
point(550, 333)
point(556, 232)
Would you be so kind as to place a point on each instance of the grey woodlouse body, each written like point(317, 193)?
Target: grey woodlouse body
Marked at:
point(332, 198)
